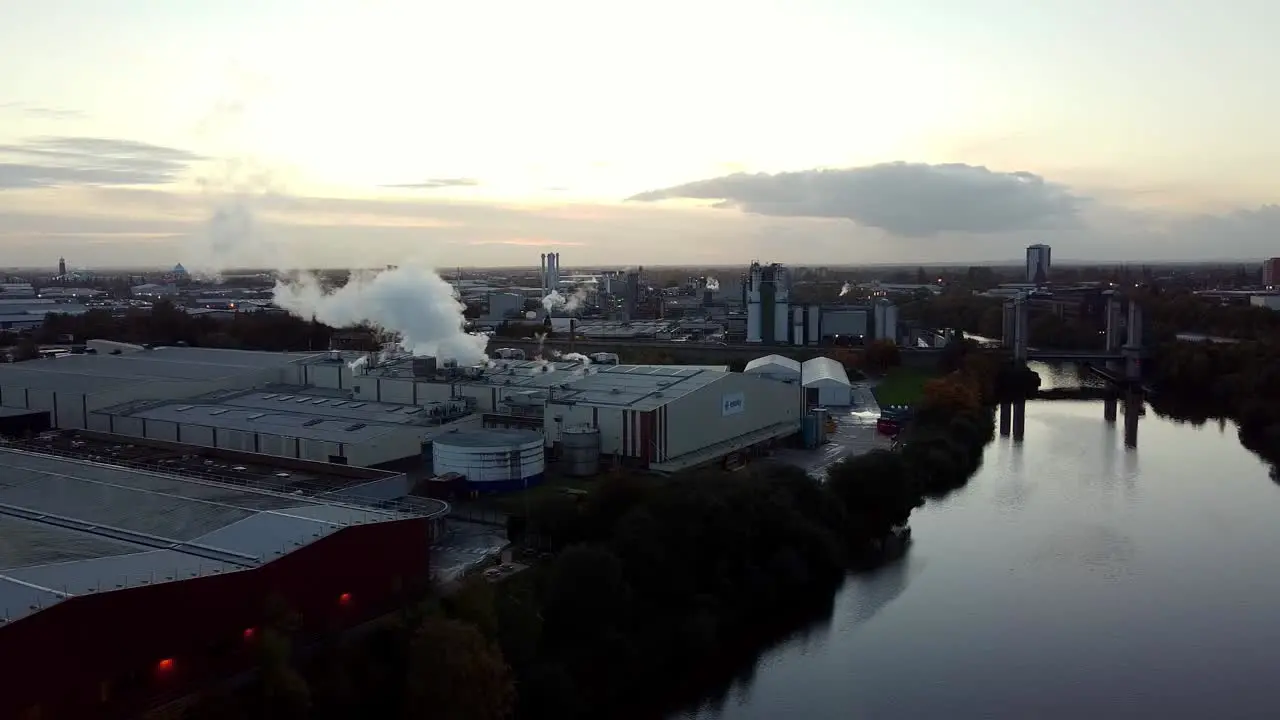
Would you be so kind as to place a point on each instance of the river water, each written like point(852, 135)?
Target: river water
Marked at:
point(1071, 578)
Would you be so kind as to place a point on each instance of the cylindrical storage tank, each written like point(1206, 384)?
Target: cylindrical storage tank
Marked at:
point(581, 447)
point(492, 460)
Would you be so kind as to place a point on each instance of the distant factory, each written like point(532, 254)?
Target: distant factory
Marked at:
point(773, 320)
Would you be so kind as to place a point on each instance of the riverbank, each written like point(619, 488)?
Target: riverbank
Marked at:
point(1029, 592)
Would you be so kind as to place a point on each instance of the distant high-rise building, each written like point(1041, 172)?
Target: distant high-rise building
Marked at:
point(1271, 272)
point(1038, 263)
point(62, 268)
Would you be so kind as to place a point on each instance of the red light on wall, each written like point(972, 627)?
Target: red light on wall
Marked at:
point(344, 599)
point(165, 665)
point(249, 633)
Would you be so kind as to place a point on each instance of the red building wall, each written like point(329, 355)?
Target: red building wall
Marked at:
point(111, 654)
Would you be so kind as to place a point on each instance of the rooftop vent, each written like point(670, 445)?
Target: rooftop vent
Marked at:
point(311, 422)
point(357, 426)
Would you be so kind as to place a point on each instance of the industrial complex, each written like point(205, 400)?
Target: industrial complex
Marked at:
point(376, 411)
point(159, 499)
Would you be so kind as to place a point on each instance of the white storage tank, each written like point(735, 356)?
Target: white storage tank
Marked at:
point(581, 446)
point(492, 460)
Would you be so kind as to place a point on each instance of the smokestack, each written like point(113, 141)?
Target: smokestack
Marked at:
point(542, 272)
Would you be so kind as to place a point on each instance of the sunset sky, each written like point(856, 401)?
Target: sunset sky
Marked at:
point(296, 132)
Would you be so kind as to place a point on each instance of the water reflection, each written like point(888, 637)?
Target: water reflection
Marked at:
point(1066, 580)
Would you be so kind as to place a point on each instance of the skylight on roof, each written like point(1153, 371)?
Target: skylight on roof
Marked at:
point(302, 400)
point(183, 408)
point(356, 426)
point(282, 398)
point(255, 416)
point(313, 421)
point(321, 401)
point(357, 405)
point(272, 396)
point(220, 411)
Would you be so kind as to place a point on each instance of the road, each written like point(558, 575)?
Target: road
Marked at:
point(465, 545)
point(855, 435)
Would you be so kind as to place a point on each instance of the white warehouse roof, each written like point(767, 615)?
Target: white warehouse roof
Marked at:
point(774, 365)
point(823, 371)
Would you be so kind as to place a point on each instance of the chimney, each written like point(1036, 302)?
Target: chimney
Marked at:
point(543, 273)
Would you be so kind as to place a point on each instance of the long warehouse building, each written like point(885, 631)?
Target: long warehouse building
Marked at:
point(353, 409)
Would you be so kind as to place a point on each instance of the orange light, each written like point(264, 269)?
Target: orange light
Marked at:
point(165, 665)
point(344, 599)
point(249, 633)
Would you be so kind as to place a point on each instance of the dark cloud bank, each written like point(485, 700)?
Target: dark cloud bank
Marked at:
point(65, 161)
point(904, 199)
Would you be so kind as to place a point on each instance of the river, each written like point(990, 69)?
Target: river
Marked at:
point(1071, 578)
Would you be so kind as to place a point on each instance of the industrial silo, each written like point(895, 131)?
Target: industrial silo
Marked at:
point(491, 460)
point(581, 446)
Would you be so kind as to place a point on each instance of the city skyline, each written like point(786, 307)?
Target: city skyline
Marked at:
point(869, 133)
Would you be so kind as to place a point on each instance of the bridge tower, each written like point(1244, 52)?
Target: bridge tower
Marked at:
point(1015, 332)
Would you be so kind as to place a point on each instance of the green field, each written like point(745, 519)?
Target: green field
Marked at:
point(902, 386)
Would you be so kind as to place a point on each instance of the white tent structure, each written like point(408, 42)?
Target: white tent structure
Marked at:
point(775, 367)
point(827, 379)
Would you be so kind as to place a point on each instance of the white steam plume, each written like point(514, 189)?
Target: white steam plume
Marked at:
point(358, 363)
point(556, 301)
point(411, 301)
point(576, 357)
point(713, 284)
point(553, 301)
point(846, 289)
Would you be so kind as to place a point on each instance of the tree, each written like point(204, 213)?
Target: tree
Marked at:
point(950, 395)
point(455, 673)
point(26, 349)
point(882, 355)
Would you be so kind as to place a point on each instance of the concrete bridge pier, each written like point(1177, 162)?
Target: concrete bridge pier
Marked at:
point(1109, 407)
point(1132, 412)
point(1019, 420)
point(1006, 411)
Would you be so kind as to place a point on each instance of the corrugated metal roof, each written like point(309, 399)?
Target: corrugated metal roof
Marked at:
point(823, 369)
point(101, 372)
point(69, 527)
point(291, 420)
point(773, 364)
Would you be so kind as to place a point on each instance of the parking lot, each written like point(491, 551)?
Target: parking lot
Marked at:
point(855, 435)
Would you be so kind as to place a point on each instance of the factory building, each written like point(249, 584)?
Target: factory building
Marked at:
point(505, 305)
point(122, 589)
point(767, 292)
point(825, 324)
point(365, 410)
point(825, 382)
point(291, 422)
point(72, 387)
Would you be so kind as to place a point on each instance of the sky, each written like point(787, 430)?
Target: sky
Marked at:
point(316, 132)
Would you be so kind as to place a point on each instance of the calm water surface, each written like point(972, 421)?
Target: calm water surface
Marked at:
point(1071, 578)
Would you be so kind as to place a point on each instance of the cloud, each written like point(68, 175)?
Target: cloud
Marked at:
point(527, 242)
point(43, 113)
point(437, 184)
point(905, 199)
point(53, 162)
